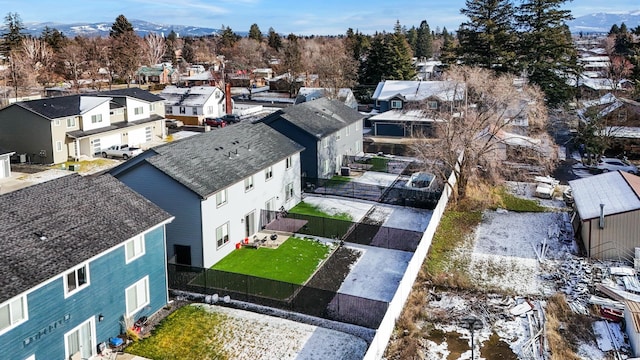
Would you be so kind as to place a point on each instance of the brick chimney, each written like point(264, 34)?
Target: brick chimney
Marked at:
point(227, 98)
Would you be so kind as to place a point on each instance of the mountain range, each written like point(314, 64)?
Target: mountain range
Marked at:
point(592, 23)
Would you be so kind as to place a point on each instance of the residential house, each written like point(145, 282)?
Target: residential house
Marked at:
point(192, 105)
point(5, 163)
point(53, 130)
point(328, 129)
point(399, 123)
point(434, 95)
point(428, 69)
point(78, 255)
point(291, 84)
point(261, 76)
point(343, 94)
point(216, 183)
point(608, 214)
point(158, 74)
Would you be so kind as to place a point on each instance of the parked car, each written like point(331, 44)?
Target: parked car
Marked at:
point(614, 164)
point(231, 118)
point(173, 124)
point(123, 151)
point(217, 122)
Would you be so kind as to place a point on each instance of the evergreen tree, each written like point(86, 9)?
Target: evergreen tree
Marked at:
point(449, 51)
point(356, 44)
point(402, 67)
point(546, 48)
point(120, 26)
point(412, 38)
point(388, 58)
point(424, 43)
point(228, 38)
point(126, 52)
point(273, 40)
point(488, 38)
point(255, 33)
point(54, 38)
point(614, 29)
point(13, 34)
point(172, 46)
point(188, 53)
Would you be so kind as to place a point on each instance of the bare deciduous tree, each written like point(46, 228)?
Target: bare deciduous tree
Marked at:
point(482, 126)
point(155, 48)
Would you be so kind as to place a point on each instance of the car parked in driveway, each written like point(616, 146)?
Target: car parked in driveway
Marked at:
point(173, 124)
point(231, 118)
point(215, 122)
point(613, 164)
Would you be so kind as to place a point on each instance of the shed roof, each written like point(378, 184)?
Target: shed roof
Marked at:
point(51, 227)
point(617, 190)
point(209, 162)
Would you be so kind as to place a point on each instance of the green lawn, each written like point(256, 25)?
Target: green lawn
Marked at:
point(304, 208)
point(293, 262)
point(190, 333)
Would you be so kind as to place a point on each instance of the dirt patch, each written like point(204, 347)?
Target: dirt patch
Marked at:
point(335, 270)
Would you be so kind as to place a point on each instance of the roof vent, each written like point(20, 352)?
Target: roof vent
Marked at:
point(40, 235)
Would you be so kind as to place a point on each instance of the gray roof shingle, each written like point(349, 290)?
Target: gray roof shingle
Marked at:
point(212, 161)
point(320, 117)
point(133, 92)
point(54, 107)
point(80, 217)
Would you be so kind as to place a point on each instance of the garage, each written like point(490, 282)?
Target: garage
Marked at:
point(104, 142)
point(137, 137)
point(382, 129)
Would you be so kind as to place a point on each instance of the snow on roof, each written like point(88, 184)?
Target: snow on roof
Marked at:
point(616, 190)
point(399, 115)
point(627, 132)
point(419, 90)
point(193, 96)
point(517, 140)
point(90, 102)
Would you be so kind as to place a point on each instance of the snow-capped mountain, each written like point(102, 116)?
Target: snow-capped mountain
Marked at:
point(141, 27)
point(602, 22)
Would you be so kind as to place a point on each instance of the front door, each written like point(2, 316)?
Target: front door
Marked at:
point(81, 341)
point(250, 224)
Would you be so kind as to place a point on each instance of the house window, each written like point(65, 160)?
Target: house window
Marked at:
point(168, 110)
point(358, 145)
point(346, 131)
point(96, 118)
point(76, 280)
point(325, 167)
point(56, 122)
point(58, 146)
point(268, 173)
point(209, 110)
point(221, 198)
point(152, 107)
point(137, 296)
point(289, 162)
point(13, 313)
point(71, 122)
point(183, 110)
point(134, 248)
point(138, 110)
point(433, 105)
point(222, 235)
point(338, 136)
point(194, 110)
point(288, 192)
point(325, 142)
point(357, 126)
point(248, 183)
point(396, 104)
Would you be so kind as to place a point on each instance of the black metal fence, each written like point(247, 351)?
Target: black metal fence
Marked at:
point(366, 232)
point(303, 299)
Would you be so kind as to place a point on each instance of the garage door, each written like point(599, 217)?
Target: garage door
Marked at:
point(137, 137)
point(389, 130)
point(105, 141)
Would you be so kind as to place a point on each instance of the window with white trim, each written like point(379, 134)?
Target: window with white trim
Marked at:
point(337, 135)
point(396, 104)
point(56, 122)
point(357, 124)
point(134, 248)
point(58, 146)
point(358, 146)
point(268, 173)
point(13, 313)
point(221, 198)
point(222, 235)
point(137, 296)
point(138, 110)
point(71, 122)
point(183, 110)
point(209, 110)
point(346, 130)
point(325, 166)
point(289, 162)
point(76, 280)
point(96, 118)
point(248, 183)
point(288, 192)
point(194, 110)
point(152, 107)
point(433, 105)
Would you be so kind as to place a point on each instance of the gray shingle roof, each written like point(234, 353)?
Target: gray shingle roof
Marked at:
point(209, 162)
point(319, 117)
point(54, 107)
point(80, 217)
point(133, 92)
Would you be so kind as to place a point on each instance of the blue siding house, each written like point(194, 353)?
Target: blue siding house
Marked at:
point(78, 254)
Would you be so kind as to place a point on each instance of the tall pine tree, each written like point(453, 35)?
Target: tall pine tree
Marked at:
point(546, 50)
point(424, 42)
point(488, 38)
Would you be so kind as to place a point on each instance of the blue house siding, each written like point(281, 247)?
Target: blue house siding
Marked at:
point(51, 315)
point(175, 199)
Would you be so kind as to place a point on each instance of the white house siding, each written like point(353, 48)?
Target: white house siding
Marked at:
point(616, 241)
point(132, 104)
point(240, 203)
point(5, 166)
point(338, 145)
point(102, 109)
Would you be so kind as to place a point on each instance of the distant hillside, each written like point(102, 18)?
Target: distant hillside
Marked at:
point(602, 22)
point(141, 27)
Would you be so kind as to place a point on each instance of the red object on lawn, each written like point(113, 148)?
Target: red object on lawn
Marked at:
point(246, 240)
point(238, 245)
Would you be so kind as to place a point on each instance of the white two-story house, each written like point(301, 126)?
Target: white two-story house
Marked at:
point(54, 130)
point(216, 184)
point(192, 105)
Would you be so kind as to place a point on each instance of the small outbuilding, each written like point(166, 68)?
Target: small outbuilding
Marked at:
point(607, 217)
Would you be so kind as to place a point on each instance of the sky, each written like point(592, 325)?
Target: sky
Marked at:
point(313, 17)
